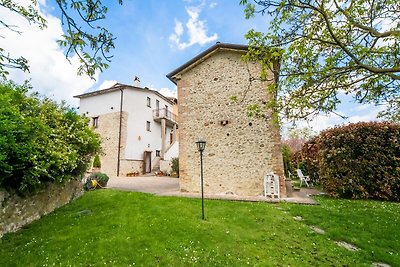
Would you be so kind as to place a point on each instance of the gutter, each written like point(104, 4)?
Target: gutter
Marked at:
point(120, 131)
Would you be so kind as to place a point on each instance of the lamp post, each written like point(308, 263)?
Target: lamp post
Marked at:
point(201, 145)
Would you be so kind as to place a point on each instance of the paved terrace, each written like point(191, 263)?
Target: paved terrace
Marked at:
point(166, 186)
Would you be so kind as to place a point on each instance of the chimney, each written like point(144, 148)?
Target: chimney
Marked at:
point(136, 81)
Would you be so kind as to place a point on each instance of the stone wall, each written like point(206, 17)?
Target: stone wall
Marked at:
point(17, 211)
point(240, 149)
point(129, 166)
point(108, 128)
point(166, 166)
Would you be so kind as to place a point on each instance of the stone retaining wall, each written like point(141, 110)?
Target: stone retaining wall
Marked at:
point(17, 211)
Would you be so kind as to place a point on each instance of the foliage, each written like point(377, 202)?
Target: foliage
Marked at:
point(296, 137)
point(326, 48)
point(101, 178)
point(175, 166)
point(40, 141)
point(96, 161)
point(84, 36)
point(310, 159)
point(168, 231)
point(361, 160)
point(287, 156)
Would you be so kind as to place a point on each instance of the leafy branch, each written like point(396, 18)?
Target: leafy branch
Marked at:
point(84, 36)
point(331, 48)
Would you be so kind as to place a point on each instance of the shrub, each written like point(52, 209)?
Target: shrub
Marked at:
point(41, 141)
point(175, 167)
point(96, 161)
point(361, 160)
point(101, 178)
point(309, 163)
point(287, 155)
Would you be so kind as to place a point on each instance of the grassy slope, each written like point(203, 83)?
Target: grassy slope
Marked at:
point(134, 229)
point(373, 226)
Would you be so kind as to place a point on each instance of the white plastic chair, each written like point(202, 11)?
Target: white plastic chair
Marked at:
point(271, 186)
point(303, 178)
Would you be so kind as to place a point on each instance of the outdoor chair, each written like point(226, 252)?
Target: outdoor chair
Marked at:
point(303, 178)
point(271, 186)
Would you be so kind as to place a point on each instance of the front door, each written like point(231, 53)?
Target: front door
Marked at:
point(147, 161)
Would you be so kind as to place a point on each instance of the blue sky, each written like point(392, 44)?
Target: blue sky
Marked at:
point(145, 31)
point(153, 38)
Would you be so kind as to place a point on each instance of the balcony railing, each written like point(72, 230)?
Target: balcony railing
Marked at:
point(164, 113)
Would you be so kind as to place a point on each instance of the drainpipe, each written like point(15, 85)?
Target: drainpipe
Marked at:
point(120, 131)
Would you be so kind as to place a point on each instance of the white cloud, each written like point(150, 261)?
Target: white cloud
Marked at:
point(359, 112)
point(178, 28)
point(168, 92)
point(50, 72)
point(212, 5)
point(106, 84)
point(196, 30)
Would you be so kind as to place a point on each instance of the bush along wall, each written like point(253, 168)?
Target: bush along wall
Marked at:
point(309, 157)
point(41, 141)
point(361, 160)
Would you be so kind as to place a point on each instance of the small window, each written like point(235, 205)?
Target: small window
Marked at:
point(149, 102)
point(148, 126)
point(95, 122)
point(157, 153)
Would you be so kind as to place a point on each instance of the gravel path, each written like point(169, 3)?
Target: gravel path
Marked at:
point(147, 184)
point(166, 186)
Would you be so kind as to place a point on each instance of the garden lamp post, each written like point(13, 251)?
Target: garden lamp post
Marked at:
point(201, 145)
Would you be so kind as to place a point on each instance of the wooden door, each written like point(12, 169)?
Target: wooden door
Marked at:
point(147, 162)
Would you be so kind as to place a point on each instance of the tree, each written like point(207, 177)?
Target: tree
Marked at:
point(296, 137)
point(84, 36)
point(330, 47)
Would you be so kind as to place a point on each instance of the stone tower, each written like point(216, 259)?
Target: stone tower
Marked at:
point(215, 89)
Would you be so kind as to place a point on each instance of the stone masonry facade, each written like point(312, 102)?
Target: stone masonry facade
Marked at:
point(109, 131)
point(240, 150)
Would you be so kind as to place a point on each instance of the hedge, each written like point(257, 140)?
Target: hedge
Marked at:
point(361, 160)
point(40, 141)
point(309, 156)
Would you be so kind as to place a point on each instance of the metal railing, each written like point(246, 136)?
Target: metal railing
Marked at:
point(164, 113)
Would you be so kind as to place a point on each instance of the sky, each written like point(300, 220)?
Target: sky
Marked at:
point(153, 38)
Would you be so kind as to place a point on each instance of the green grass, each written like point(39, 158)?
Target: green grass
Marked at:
point(373, 226)
point(134, 229)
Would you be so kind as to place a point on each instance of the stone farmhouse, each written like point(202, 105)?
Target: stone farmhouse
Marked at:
point(137, 127)
point(215, 89)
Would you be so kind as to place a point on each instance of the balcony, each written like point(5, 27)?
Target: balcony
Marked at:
point(163, 113)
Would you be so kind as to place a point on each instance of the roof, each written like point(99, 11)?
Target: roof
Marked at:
point(120, 86)
point(205, 54)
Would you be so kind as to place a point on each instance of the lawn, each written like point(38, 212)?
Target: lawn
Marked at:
point(115, 228)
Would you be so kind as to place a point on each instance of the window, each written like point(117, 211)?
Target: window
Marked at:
point(95, 122)
point(149, 102)
point(148, 126)
point(157, 153)
point(157, 108)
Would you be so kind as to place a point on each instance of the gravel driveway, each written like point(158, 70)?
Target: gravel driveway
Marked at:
point(147, 184)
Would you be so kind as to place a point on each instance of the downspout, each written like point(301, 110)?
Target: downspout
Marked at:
point(120, 131)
